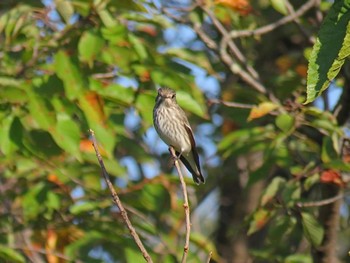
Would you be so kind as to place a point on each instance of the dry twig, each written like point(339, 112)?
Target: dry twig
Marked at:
point(321, 202)
point(231, 104)
point(117, 201)
point(186, 205)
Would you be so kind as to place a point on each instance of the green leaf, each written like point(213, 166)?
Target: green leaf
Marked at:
point(144, 104)
point(291, 193)
point(52, 203)
point(105, 137)
point(116, 34)
point(285, 122)
point(82, 7)
point(313, 231)
point(246, 140)
point(67, 70)
point(328, 153)
point(129, 7)
point(10, 255)
point(16, 132)
point(298, 258)
point(312, 180)
point(106, 17)
point(195, 57)
point(150, 196)
point(67, 134)
point(280, 6)
point(121, 56)
point(272, 189)
point(259, 219)
point(331, 49)
point(84, 207)
point(133, 255)
point(7, 146)
point(165, 76)
point(338, 164)
point(280, 228)
point(116, 92)
point(90, 45)
point(33, 200)
point(41, 110)
point(65, 9)
point(12, 94)
point(138, 46)
point(188, 103)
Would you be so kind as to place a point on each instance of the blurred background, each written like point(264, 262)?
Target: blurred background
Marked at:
point(240, 71)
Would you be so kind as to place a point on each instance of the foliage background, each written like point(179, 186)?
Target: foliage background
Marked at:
point(67, 66)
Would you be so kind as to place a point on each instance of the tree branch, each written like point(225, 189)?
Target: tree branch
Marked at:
point(249, 74)
point(231, 104)
point(270, 27)
point(186, 206)
point(321, 202)
point(329, 217)
point(117, 201)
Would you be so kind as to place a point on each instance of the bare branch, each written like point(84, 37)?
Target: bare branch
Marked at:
point(118, 202)
point(107, 75)
point(186, 206)
point(231, 104)
point(270, 27)
point(233, 47)
point(296, 20)
point(204, 37)
point(321, 202)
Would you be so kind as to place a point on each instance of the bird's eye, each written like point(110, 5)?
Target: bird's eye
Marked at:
point(173, 96)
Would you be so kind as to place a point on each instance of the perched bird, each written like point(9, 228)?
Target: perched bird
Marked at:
point(173, 128)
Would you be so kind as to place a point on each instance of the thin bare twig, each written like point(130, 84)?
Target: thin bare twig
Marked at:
point(233, 47)
point(117, 201)
point(186, 206)
point(268, 28)
point(321, 202)
point(296, 20)
point(231, 104)
point(107, 75)
point(211, 44)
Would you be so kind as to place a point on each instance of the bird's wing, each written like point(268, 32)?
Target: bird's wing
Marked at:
point(193, 144)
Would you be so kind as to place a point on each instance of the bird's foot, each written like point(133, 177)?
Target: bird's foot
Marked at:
point(173, 154)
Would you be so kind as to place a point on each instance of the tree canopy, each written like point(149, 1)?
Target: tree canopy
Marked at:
point(265, 84)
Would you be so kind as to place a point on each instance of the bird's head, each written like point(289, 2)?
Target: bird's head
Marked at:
point(166, 96)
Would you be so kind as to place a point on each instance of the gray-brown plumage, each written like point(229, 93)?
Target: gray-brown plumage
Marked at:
point(173, 128)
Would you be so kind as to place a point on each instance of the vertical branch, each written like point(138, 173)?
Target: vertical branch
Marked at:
point(329, 217)
point(186, 206)
point(117, 201)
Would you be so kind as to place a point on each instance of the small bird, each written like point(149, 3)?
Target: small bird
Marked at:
point(173, 128)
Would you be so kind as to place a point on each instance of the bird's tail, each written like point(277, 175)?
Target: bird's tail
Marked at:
point(196, 175)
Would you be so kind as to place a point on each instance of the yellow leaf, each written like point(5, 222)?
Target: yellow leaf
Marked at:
point(261, 110)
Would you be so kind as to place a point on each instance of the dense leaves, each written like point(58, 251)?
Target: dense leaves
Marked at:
point(273, 165)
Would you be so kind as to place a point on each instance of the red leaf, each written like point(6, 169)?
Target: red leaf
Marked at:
point(332, 176)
